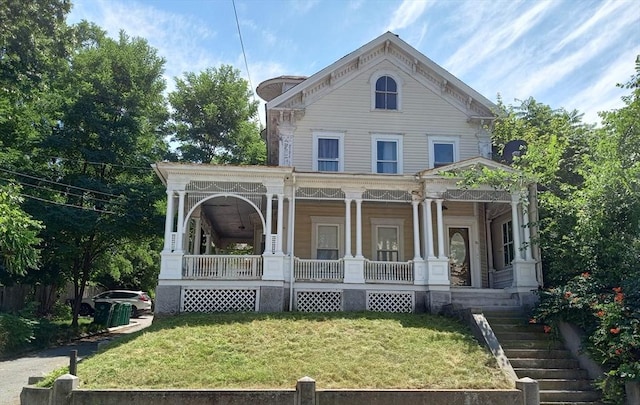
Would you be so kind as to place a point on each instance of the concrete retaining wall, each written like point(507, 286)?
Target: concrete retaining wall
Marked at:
point(65, 392)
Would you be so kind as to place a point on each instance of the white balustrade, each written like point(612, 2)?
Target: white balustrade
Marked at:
point(318, 270)
point(222, 267)
point(396, 272)
point(174, 237)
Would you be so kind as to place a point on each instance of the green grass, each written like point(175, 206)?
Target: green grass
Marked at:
point(339, 350)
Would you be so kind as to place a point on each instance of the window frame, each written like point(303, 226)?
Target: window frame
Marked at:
point(508, 246)
point(318, 221)
point(375, 138)
point(448, 140)
point(317, 135)
point(396, 77)
point(398, 224)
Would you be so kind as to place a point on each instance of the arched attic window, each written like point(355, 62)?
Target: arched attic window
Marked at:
point(386, 93)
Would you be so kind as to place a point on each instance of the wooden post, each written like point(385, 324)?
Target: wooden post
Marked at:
point(73, 362)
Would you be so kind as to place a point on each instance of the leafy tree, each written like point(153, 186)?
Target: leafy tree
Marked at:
point(100, 188)
point(18, 234)
point(213, 115)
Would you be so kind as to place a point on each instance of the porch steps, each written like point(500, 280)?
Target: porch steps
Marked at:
point(535, 354)
point(492, 299)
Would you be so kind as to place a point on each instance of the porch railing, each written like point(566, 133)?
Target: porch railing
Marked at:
point(396, 272)
point(501, 278)
point(222, 267)
point(318, 270)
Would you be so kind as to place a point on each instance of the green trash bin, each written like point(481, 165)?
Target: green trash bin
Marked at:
point(126, 313)
point(103, 313)
point(115, 315)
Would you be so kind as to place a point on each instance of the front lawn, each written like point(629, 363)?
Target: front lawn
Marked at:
point(338, 350)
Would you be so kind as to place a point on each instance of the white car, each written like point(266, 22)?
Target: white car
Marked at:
point(139, 300)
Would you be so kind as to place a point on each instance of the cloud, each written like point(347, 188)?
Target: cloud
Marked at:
point(304, 6)
point(405, 15)
point(506, 27)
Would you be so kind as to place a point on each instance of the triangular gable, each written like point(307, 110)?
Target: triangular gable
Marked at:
point(405, 56)
point(466, 164)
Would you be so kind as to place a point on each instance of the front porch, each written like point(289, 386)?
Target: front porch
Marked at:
point(271, 239)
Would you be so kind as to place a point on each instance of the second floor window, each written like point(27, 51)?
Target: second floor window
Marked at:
point(387, 154)
point(443, 154)
point(328, 151)
point(386, 94)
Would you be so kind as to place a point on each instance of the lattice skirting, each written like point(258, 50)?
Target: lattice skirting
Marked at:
point(390, 301)
point(213, 300)
point(319, 301)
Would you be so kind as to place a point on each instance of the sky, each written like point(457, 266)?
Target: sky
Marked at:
point(565, 53)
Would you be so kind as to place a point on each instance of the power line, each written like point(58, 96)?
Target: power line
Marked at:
point(56, 183)
point(244, 54)
point(101, 163)
point(66, 205)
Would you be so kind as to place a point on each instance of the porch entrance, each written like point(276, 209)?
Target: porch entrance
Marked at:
point(459, 257)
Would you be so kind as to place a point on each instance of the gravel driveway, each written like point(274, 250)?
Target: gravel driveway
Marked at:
point(15, 373)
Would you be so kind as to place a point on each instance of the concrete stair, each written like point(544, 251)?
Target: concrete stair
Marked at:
point(537, 355)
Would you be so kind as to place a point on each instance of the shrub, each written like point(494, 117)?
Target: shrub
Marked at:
point(16, 333)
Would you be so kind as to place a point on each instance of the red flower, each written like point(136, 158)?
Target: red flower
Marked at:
point(618, 351)
point(600, 314)
point(617, 289)
point(619, 297)
point(532, 320)
point(547, 328)
point(615, 331)
point(585, 274)
point(567, 294)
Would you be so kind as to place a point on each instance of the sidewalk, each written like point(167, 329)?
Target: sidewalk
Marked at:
point(16, 372)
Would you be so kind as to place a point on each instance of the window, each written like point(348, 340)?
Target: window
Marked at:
point(387, 246)
point(327, 242)
point(386, 94)
point(442, 151)
point(507, 242)
point(387, 243)
point(326, 237)
point(386, 154)
point(328, 152)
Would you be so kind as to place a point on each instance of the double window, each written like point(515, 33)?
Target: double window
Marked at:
point(386, 153)
point(443, 150)
point(328, 151)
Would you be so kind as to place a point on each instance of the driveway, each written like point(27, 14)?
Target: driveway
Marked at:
point(15, 373)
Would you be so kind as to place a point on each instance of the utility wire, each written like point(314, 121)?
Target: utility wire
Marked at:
point(244, 54)
point(101, 163)
point(66, 205)
point(57, 184)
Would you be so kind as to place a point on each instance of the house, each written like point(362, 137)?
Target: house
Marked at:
point(354, 210)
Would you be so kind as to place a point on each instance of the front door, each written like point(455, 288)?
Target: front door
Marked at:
point(459, 257)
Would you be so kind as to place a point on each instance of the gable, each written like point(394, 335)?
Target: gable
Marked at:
point(406, 58)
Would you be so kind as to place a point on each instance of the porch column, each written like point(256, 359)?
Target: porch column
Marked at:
point(197, 240)
point(290, 226)
point(516, 228)
point(527, 234)
point(168, 223)
point(268, 249)
point(359, 228)
point(280, 224)
point(429, 231)
point(207, 241)
point(180, 235)
point(441, 254)
point(416, 231)
point(347, 228)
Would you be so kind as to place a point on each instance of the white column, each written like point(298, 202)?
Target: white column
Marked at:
point(290, 225)
point(416, 231)
point(180, 235)
point(527, 234)
point(168, 223)
point(347, 228)
point(358, 228)
point(267, 232)
point(197, 240)
point(429, 233)
point(280, 223)
point(441, 254)
point(207, 241)
point(516, 230)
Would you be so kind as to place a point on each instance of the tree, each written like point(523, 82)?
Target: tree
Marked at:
point(100, 188)
point(213, 118)
point(18, 234)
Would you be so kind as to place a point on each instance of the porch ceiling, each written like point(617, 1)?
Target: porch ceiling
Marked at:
point(230, 218)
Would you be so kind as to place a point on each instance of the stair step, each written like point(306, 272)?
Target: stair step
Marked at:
point(552, 373)
point(564, 384)
point(565, 395)
point(534, 335)
point(537, 353)
point(544, 363)
point(571, 403)
point(531, 344)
